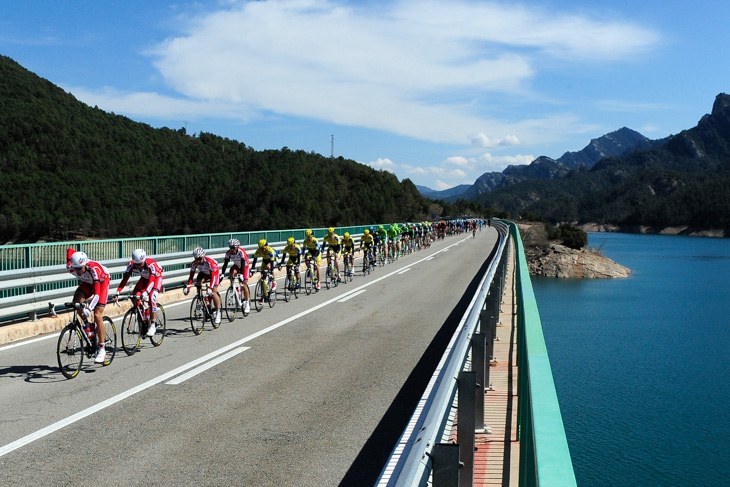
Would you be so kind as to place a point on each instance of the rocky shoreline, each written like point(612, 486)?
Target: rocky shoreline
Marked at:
point(549, 259)
point(681, 230)
point(563, 262)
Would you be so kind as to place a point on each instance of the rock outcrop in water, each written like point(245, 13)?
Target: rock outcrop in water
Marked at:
point(550, 259)
point(560, 261)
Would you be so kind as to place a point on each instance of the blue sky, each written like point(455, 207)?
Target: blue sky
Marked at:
point(438, 91)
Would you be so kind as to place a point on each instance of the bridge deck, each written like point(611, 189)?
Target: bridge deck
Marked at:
point(497, 456)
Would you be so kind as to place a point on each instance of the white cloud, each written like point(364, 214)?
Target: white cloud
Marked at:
point(483, 141)
point(458, 161)
point(384, 164)
point(420, 69)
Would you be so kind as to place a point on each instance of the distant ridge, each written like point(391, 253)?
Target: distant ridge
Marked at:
point(613, 144)
point(682, 182)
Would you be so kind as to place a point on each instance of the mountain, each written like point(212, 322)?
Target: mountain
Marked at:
point(68, 170)
point(683, 180)
point(617, 143)
point(446, 193)
point(614, 144)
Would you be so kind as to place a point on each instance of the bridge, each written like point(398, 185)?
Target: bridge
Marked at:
point(341, 387)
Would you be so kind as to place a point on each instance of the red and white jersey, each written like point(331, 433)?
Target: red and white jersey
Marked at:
point(239, 257)
point(150, 269)
point(94, 273)
point(208, 266)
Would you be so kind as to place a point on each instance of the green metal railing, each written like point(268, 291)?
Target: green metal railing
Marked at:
point(544, 454)
point(25, 256)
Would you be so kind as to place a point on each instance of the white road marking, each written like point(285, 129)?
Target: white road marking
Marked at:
point(351, 295)
point(182, 378)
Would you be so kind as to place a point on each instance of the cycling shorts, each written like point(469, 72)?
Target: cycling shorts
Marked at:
point(214, 277)
point(294, 260)
point(348, 250)
point(237, 270)
point(335, 249)
point(88, 290)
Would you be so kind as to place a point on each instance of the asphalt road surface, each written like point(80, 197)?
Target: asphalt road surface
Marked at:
point(313, 392)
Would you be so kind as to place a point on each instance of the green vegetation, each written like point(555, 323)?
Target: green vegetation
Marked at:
point(70, 170)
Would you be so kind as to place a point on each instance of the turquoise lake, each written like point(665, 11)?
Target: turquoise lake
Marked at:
point(642, 365)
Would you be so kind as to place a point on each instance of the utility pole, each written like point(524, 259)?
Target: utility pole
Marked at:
point(332, 154)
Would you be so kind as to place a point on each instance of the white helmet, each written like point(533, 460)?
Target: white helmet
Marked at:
point(198, 253)
point(139, 256)
point(233, 243)
point(79, 260)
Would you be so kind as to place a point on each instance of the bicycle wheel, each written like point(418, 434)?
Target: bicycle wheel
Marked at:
point(110, 340)
point(231, 305)
point(328, 276)
point(197, 315)
point(160, 327)
point(288, 287)
point(70, 351)
point(272, 293)
point(131, 336)
point(308, 282)
point(259, 296)
point(212, 312)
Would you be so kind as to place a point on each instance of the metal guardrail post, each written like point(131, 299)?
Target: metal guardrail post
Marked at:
point(446, 465)
point(465, 427)
point(487, 326)
point(478, 364)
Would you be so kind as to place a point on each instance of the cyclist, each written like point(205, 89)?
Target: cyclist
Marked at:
point(148, 286)
point(377, 243)
point(368, 241)
point(348, 249)
point(333, 240)
point(241, 268)
point(393, 232)
point(94, 279)
point(383, 234)
point(294, 251)
point(311, 245)
point(209, 270)
point(268, 256)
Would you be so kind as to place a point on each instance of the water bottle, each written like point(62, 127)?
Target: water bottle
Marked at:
point(146, 314)
point(89, 331)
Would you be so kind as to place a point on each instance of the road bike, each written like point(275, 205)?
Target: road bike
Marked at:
point(265, 290)
point(367, 261)
point(331, 277)
point(381, 256)
point(234, 299)
point(136, 323)
point(348, 262)
point(309, 279)
point(291, 284)
point(202, 310)
point(74, 343)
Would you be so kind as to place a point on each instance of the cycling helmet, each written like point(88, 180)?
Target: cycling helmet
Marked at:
point(262, 243)
point(347, 234)
point(198, 253)
point(139, 256)
point(233, 243)
point(331, 230)
point(307, 233)
point(79, 260)
point(380, 227)
point(366, 232)
point(290, 241)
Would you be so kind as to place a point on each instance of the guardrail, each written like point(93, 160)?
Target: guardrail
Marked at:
point(29, 292)
point(544, 455)
point(410, 462)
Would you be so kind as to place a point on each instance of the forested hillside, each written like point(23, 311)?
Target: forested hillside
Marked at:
point(685, 181)
point(69, 170)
